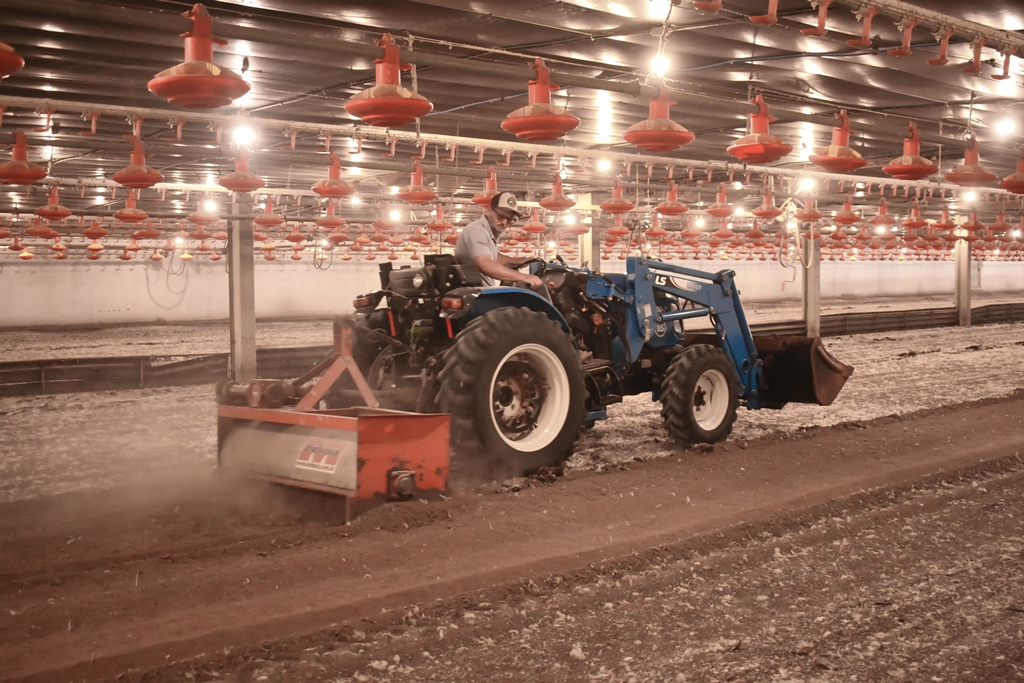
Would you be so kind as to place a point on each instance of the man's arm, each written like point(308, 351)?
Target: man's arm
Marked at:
point(513, 262)
point(498, 271)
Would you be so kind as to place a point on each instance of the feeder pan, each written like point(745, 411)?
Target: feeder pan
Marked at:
point(10, 61)
point(53, 210)
point(618, 230)
point(202, 217)
point(329, 221)
point(268, 219)
point(911, 166)
point(882, 218)
point(439, 224)
point(1000, 225)
point(387, 103)
point(95, 231)
point(847, 216)
point(130, 214)
point(672, 206)
point(760, 147)
point(838, 157)
point(198, 83)
point(483, 198)
point(136, 174)
point(416, 192)
point(556, 201)
point(809, 213)
point(242, 180)
point(20, 171)
point(658, 133)
point(147, 232)
point(617, 204)
point(973, 227)
point(39, 230)
point(944, 223)
point(915, 222)
point(1015, 181)
point(767, 211)
point(655, 230)
point(721, 208)
point(540, 120)
point(333, 187)
point(534, 226)
point(970, 173)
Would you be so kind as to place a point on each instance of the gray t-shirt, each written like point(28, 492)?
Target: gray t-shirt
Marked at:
point(477, 239)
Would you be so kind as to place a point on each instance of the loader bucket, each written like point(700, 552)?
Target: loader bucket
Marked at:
point(799, 370)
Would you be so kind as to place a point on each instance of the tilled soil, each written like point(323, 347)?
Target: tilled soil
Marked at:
point(876, 551)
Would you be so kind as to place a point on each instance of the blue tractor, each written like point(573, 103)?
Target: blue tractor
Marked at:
point(522, 372)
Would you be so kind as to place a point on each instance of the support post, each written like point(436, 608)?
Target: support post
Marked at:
point(242, 290)
point(811, 293)
point(585, 245)
point(962, 254)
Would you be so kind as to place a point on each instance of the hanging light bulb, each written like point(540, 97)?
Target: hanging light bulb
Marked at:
point(604, 165)
point(243, 135)
point(660, 64)
point(1006, 127)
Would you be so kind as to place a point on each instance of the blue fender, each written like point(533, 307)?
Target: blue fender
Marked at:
point(482, 300)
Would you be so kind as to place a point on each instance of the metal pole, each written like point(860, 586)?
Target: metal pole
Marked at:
point(242, 290)
point(585, 243)
point(811, 299)
point(962, 254)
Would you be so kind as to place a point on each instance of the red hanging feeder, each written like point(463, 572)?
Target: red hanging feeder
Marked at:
point(329, 221)
point(387, 103)
point(618, 230)
point(242, 180)
point(767, 211)
point(809, 213)
point(838, 157)
point(672, 206)
point(416, 192)
point(136, 174)
point(882, 219)
point(540, 120)
point(973, 226)
point(53, 210)
point(556, 201)
point(268, 219)
point(971, 173)
point(1015, 181)
point(534, 226)
point(911, 166)
point(721, 208)
point(439, 224)
point(617, 204)
point(333, 187)
point(915, 222)
point(198, 83)
point(658, 133)
point(483, 197)
point(20, 171)
point(770, 17)
point(10, 61)
point(130, 214)
point(760, 147)
point(146, 232)
point(847, 216)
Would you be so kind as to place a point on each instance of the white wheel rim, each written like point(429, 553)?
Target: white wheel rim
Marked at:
point(529, 396)
point(710, 399)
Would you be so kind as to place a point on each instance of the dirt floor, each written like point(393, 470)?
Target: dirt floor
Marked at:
point(876, 540)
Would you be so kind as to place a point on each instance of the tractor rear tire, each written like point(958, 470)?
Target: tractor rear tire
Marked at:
point(513, 385)
point(700, 395)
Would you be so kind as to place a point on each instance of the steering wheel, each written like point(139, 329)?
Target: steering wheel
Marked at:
point(542, 262)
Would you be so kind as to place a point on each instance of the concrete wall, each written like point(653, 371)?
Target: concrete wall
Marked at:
point(54, 293)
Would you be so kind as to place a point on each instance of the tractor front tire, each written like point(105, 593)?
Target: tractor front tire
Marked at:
point(700, 395)
point(513, 385)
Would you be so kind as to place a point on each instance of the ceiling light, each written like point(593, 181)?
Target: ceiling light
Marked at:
point(570, 219)
point(395, 214)
point(604, 165)
point(791, 225)
point(356, 200)
point(210, 206)
point(552, 244)
point(737, 185)
point(244, 136)
point(700, 222)
point(1006, 127)
point(395, 189)
point(738, 211)
point(179, 241)
point(355, 170)
point(806, 185)
point(659, 65)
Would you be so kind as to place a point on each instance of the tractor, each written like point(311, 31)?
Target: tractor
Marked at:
point(522, 372)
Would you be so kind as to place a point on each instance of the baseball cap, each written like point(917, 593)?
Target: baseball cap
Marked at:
point(507, 201)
